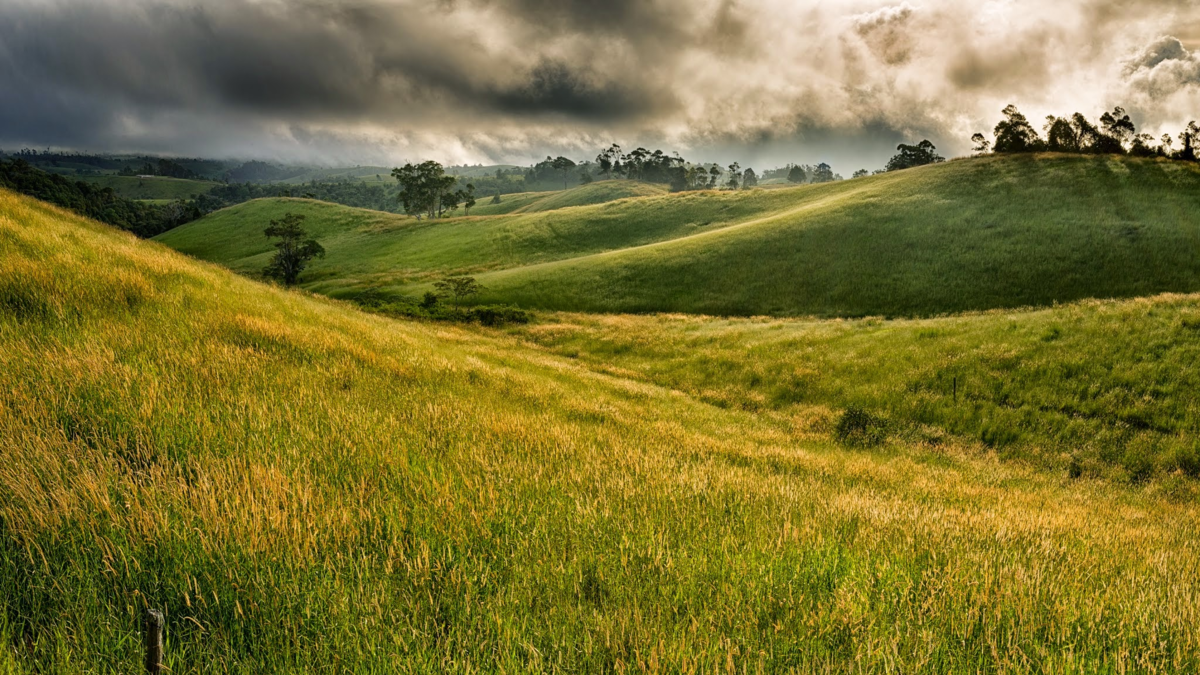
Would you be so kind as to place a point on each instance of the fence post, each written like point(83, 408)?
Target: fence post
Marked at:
point(956, 389)
point(154, 652)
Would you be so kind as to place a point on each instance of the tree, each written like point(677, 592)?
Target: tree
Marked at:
point(563, 165)
point(1118, 127)
point(609, 160)
point(1061, 136)
point(823, 174)
point(468, 198)
point(1015, 134)
point(982, 145)
point(861, 173)
point(585, 177)
point(797, 175)
point(714, 173)
point(735, 176)
point(914, 155)
point(749, 179)
point(496, 197)
point(423, 188)
point(1141, 146)
point(459, 287)
point(293, 251)
point(1189, 139)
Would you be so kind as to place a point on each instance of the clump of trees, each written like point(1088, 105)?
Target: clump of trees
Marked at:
point(911, 156)
point(1115, 134)
point(293, 251)
point(425, 189)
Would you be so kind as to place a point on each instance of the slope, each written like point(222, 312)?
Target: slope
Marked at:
point(302, 487)
point(968, 235)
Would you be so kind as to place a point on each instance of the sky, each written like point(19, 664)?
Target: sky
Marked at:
point(761, 82)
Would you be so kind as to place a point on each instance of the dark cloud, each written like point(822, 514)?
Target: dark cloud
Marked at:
point(477, 80)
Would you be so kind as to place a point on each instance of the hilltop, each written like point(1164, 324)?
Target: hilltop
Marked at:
point(975, 234)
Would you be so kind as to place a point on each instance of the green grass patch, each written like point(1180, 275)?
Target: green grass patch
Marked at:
point(151, 189)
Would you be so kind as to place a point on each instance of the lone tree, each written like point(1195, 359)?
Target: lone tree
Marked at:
point(749, 179)
point(459, 287)
point(797, 175)
point(294, 250)
point(914, 155)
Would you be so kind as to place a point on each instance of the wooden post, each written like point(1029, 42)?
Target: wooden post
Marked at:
point(154, 651)
point(956, 389)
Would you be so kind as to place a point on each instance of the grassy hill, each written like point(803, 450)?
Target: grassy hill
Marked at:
point(304, 487)
point(584, 195)
point(367, 249)
point(985, 233)
point(156, 188)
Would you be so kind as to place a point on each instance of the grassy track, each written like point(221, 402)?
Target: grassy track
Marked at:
point(994, 232)
point(156, 188)
point(306, 488)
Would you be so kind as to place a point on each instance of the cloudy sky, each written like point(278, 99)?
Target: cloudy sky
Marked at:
point(763, 82)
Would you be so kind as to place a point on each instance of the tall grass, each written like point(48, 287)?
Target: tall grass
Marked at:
point(304, 488)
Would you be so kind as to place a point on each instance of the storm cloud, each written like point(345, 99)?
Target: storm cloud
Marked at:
point(511, 80)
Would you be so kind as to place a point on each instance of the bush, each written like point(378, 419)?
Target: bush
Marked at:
point(858, 427)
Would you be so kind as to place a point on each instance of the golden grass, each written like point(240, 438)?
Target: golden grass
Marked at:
point(305, 488)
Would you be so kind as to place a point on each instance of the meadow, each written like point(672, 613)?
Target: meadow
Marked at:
point(157, 188)
point(303, 487)
point(969, 235)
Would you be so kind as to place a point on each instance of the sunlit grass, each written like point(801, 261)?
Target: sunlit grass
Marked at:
point(305, 488)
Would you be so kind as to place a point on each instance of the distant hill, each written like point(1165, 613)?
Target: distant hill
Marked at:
point(152, 188)
point(585, 195)
point(991, 232)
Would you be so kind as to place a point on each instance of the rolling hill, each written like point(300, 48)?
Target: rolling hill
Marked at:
point(157, 188)
point(976, 234)
point(301, 486)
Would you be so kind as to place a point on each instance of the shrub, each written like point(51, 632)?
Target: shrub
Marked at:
point(858, 427)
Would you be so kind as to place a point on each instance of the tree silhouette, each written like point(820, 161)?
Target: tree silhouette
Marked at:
point(1015, 134)
point(914, 155)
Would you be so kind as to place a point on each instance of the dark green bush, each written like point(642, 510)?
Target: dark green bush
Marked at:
point(858, 427)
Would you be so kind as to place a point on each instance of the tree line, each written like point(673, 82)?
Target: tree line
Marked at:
point(102, 204)
point(1115, 134)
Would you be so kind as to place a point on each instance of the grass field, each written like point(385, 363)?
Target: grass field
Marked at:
point(1100, 389)
point(977, 234)
point(156, 188)
point(585, 195)
point(303, 487)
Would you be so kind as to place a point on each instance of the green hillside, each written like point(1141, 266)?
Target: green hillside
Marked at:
point(584, 195)
point(368, 249)
point(156, 188)
point(967, 235)
point(993, 232)
point(302, 487)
